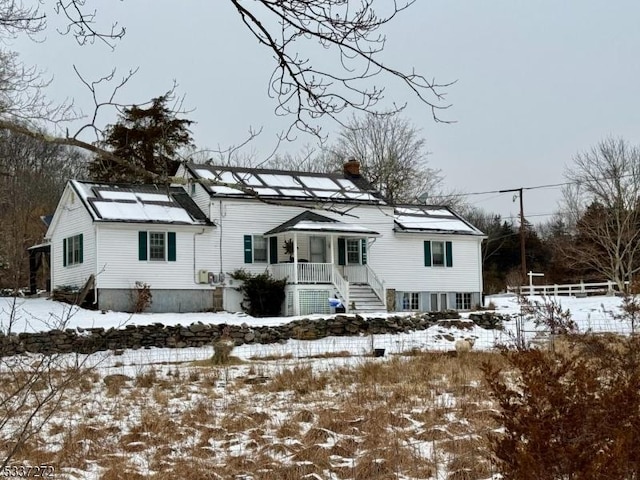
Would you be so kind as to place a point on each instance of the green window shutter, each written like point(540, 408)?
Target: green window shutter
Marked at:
point(273, 250)
point(364, 251)
point(248, 249)
point(342, 251)
point(142, 245)
point(81, 249)
point(448, 254)
point(171, 250)
point(427, 253)
point(64, 252)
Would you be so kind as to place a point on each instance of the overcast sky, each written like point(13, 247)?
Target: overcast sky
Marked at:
point(536, 81)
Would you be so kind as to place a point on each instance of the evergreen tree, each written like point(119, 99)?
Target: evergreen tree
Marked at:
point(149, 138)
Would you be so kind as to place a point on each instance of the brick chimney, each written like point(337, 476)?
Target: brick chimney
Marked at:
point(351, 168)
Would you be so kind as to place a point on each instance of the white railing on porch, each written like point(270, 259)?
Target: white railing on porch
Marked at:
point(307, 272)
point(364, 274)
point(341, 285)
point(376, 285)
point(356, 273)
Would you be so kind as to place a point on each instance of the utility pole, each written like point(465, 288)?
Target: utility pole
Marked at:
point(523, 257)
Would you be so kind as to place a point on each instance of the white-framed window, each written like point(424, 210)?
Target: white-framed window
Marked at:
point(437, 254)
point(260, 249)
point(353, 251)
point(72, 250)
point(463, 301)
point(157, 246)
point(410, 301)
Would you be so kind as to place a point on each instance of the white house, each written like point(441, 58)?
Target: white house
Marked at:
point(329, 235)
point(127, 234)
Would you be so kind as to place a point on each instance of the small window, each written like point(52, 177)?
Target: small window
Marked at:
point(410, 301)
point(437, 254)
point(157, 246)
point(72, 250)
point(463, 301)
point(259, 249)
point(353, 251)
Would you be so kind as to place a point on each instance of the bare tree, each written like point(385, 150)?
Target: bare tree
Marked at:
point(392, 156)
point(338, 77)
point(602, 210)
point(34, 175)
point(347, 30)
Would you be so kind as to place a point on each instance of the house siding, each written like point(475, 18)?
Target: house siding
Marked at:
point(246, 217)
point(73, 219)
point(407, 271)
point(119, 266)
point(397, 258)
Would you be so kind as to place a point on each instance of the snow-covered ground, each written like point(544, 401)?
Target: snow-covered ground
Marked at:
point(39, 314)
point(290, 410)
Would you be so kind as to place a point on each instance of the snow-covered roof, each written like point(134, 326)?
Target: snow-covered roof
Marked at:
point(282, 184)
point(139, 203)
point(313, 222)
point(434, 219)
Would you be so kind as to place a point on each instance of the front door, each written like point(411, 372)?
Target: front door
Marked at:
point(318, 249)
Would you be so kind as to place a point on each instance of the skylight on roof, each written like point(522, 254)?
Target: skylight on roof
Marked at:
point(153, 197)
point(141, 212)
point(111, 195)
point(328, 194)
point(249, 179)
point(227, 177)
point(295, 192)
point(224, 190)
point(207, 174)
point(319, 182)
point(348, 185)
point(265, 191)
point(276, 180)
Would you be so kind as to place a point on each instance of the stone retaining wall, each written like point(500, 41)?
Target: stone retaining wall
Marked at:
point(91, 340)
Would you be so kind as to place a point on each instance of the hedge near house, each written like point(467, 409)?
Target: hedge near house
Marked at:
point(263, 294)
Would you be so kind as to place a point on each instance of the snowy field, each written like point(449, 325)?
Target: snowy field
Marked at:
point(314, 410)
point(40, 314)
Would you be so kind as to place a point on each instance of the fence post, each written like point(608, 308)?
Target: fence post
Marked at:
point(555, 289)
point(582, 289)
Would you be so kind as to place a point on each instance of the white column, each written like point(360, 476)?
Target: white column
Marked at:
point(295, 258)
point(331, 258)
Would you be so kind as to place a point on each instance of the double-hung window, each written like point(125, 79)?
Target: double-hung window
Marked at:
point(353, 251)
point(256, 249)
point(157, 246)
point(72, 250)
point(438, 254)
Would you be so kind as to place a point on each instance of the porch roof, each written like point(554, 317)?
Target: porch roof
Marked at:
point(310, 222)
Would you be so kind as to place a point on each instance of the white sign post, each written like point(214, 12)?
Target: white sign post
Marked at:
point(531, 275)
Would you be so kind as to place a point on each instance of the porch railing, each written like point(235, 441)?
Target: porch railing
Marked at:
point(307, 272)
point(376, 285)
point(341, 285)
point(364, 274)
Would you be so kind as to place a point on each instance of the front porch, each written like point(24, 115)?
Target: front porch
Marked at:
point(323, 258)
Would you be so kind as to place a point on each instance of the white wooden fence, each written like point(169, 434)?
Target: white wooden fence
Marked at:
point(577, 289)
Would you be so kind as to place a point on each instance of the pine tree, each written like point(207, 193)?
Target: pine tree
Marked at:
point(150, 138)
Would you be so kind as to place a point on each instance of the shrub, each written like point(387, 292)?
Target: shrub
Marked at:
point(141, 297)
point(573, 415)
point(263, 294)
